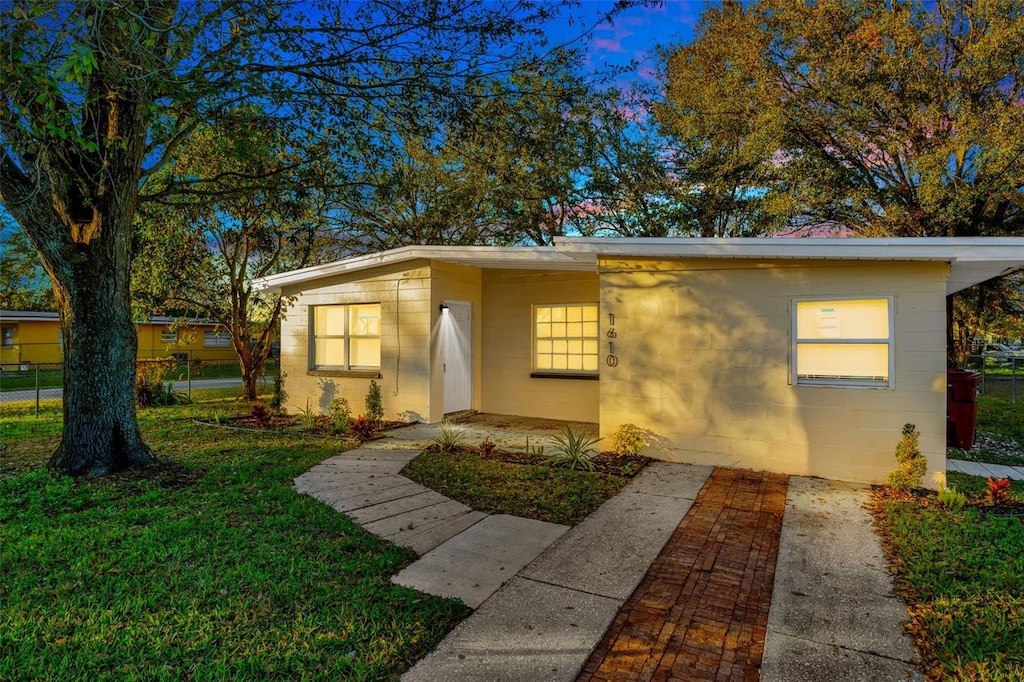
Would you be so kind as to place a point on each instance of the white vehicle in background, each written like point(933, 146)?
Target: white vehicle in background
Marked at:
point(1003, 354)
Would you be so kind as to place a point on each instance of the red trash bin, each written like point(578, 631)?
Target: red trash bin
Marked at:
point(961, 407)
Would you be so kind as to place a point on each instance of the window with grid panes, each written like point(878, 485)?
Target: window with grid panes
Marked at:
point(565, 338)
point(346, 336)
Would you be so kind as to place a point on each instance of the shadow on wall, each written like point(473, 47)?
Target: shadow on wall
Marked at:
point(328, 392)
point(704, 365)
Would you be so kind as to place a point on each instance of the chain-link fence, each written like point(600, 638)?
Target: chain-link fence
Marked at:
point(188, 371)
point(1001, 375)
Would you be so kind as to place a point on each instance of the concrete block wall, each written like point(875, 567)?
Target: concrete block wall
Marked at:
point(406, 304)
point(703, 349)
point(507, 335)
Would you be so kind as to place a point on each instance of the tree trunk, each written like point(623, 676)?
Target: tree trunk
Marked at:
point(101, 434)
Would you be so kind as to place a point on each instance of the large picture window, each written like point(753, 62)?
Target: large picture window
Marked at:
point(565, 338)
point(843, 342)
point(346, 336)
point(216, 340)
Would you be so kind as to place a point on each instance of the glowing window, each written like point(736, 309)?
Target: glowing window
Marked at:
point(565, 338)
point(844, 342)
point(346, 336)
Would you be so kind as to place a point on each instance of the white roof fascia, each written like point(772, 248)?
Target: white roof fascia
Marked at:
point(26, 315)
point(506, 257)
point(972, 259)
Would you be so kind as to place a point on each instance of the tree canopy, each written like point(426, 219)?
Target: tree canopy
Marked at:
point(97, 97)
point(890, 118)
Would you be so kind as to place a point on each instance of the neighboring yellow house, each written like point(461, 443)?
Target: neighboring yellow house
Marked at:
point(34, 337)
point(801, 356)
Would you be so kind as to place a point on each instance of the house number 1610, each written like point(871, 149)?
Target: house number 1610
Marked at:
point(612, 360)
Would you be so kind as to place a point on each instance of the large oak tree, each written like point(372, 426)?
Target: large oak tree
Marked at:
point(96, 96)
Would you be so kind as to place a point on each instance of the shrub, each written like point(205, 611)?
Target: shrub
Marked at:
point(374, 404)
point(911, 464)
point(952, 499)
point(448, 437)
point(998, 490)
point(573, 451)
point(150, 390)
point(628, 440)
point(534, 450)
point(308, 416)
point(260, 413)
point(340, 415)
point(362, 427)
point(486, 447)
point(279, 396)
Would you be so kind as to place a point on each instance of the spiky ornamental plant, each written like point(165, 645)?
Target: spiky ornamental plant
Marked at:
point(911, 464)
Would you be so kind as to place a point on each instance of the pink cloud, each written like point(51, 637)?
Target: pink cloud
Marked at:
point(608, 44)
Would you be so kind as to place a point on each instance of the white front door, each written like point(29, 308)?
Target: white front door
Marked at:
point(456, 354)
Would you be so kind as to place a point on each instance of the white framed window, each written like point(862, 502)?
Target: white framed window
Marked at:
point(168, 336)
point(843, 342)
point(345, 336)
point(565, 338)
point(216, 340)
point(8, 337)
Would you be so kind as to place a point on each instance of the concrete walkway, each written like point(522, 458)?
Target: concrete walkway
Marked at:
point(546, 595)
point(985, 470)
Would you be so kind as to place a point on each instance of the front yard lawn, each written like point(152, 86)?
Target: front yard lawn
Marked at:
point(533, 491)
point(209, 566)
point(1000, 438)
point(962, 574)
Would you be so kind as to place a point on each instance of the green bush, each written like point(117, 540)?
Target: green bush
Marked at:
point(628, 440)
point(911, 464)
point(340, 415)
point(573, 451)
point(374, 404)
point(448, 437)
point(952, 499)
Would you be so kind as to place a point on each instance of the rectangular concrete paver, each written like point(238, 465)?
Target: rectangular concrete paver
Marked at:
point(475, 563)
point(701, 611)
point(833, 590)
point(359, 500)
point(423, 539)
point(389, 508)
point(526, 632)
point(631, 528)
point(426, 517)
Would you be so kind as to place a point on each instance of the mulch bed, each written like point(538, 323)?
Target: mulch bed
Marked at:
point(927, 498)
point(278, 422)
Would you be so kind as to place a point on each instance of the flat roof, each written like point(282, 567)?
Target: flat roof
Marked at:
point(28, 315)
point(972, 259)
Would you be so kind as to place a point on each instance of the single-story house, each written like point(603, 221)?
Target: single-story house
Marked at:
point(802, 356)
point(34, 337)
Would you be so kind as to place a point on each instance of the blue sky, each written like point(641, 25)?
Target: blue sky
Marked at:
point(634, 34)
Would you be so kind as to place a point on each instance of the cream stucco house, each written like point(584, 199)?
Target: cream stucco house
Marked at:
point(802, 356)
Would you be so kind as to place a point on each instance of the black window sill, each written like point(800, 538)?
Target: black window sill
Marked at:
point(556, 375)
point(348, 373)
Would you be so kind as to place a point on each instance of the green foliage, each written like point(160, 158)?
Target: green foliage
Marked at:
point(534, 450)
point(965, 579)
point(150, 389)
point(340, 415)
point(952, 499)
point(308, 416)
point(214, 566)
point(911, 465)
point(573, 451)
point(448, 437)
point(629, 439)
point(536, 492)
point(23, 283)
point(374, 404)
point(279, 396)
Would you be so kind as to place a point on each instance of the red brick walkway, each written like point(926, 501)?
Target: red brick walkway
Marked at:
point(701, 611)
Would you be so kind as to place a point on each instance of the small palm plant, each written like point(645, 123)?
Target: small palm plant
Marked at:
point(573, 451)
point(448, 437)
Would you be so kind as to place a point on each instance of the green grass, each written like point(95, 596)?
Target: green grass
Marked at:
point(1000, 438)
point(209, 566)
point(963, 576)
point(1002, 417)
point(536, 492)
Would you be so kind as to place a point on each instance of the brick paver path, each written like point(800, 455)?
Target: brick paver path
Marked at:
point(701, 611)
